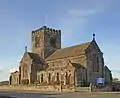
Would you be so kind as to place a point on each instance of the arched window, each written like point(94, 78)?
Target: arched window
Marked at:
point(17, 80)
point(97, 67)
point(95, 63)
point(37, 41)
point(69, 78)
point(41, 78)
point(94, 60)
point(38, 78)
point(25, 68)
point(49, 77)
point(57, 76)
point(10, 80)
point(66, 76)
point(53, 41)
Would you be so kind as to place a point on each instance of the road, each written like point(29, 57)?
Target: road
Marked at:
point(27, 94)
point(58, 95)
point(17, 94)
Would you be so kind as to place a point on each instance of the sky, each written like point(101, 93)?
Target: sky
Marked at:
point(77, 19)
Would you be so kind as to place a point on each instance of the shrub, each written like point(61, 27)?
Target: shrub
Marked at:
point(25, 81)
point(44, 83)
point(54, 83)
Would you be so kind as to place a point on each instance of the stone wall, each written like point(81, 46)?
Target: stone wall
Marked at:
point(55, 89)
point(82, 89)
point(59, 70)
point(103, 89)
point(108, 76)
point(38, 88)
point(68, 65)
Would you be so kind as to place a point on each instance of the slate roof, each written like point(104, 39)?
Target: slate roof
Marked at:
point(35, 57)
point(69, 51)
point(78, 65)
point(15, 72)
point(107, 69)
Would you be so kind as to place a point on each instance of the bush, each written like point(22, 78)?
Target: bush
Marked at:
point(25, 81)
point(36, 82)
point(44, 83)
point(4, 83)
point(54, 83)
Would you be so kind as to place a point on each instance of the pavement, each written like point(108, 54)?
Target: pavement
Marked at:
point(16, 94)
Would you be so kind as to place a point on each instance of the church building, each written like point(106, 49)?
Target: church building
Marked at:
point(48, 63)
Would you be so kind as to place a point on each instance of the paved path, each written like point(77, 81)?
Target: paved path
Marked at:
point(41, 95)
point(33, 95)
point(58, 95)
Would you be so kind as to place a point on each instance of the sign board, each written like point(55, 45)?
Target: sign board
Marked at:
point(100, 80)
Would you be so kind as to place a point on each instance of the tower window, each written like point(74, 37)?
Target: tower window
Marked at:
point(37, 41)
point(53, 41)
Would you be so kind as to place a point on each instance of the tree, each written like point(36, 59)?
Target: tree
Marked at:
point(116, 80)
point(4, 83)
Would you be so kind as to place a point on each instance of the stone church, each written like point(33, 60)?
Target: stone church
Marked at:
point(48, 63)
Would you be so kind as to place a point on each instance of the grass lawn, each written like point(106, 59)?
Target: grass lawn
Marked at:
point(103, 95)
point(90, 95)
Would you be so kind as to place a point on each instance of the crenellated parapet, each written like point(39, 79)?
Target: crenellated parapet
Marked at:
point(47, 30)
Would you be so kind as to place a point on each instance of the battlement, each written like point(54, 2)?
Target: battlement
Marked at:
point(46, 29)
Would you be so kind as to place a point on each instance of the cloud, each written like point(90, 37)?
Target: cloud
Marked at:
point(1, 70)
point(95, 4)
point(13, 70)
point(74, 16)
point(79, 13)
point(84, 9)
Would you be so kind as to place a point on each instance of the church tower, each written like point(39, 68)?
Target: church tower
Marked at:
point(45, 41)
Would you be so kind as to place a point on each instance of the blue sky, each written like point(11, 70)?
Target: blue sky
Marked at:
point(78, 20)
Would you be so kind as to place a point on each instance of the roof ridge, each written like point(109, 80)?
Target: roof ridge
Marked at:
point(32, 52)
point(75, 45)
